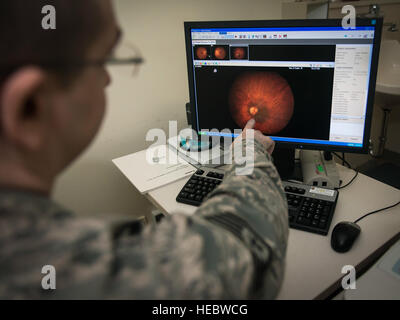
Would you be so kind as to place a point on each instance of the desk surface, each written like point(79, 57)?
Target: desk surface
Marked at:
point(312, 266)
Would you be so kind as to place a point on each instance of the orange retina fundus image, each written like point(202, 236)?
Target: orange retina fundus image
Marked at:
point(201, 53)
point(239, 53)
point(266, 97)
point(220, 53)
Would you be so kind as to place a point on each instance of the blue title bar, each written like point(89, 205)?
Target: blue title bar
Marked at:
point(281, 29)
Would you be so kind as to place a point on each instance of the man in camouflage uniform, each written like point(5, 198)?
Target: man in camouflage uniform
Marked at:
point(233, 246)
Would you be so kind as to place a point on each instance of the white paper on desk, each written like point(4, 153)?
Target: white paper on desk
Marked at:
point(153, 168)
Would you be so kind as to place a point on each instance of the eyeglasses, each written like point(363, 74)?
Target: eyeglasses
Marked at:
point(123, 54)
point(126, 54)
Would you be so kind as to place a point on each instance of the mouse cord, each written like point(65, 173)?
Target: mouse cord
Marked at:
point(348, 182)
point(393, 205)
point(349, 166)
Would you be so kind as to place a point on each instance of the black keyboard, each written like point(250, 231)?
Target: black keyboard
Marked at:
point(199, 186)
point(310, 208)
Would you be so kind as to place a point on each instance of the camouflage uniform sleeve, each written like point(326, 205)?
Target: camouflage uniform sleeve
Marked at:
point(253, 207)
point(233, 247)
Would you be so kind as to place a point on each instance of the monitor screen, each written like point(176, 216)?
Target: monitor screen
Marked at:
point(308, 83)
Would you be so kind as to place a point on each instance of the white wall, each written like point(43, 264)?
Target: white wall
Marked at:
point(92, 185)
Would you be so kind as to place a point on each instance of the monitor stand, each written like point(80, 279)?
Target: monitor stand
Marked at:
point(315, 168)
point(284, 161)
point(319, 169)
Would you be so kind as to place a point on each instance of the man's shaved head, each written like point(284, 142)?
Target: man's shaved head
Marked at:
point(52, 85)
point(24, 41)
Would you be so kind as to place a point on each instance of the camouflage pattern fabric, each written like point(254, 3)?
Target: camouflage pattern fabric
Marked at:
point(233, 247)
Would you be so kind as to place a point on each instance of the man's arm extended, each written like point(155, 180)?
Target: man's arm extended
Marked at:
point(253, 208)
point(233, 247)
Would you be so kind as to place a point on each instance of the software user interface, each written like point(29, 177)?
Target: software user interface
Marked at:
point(300, 84)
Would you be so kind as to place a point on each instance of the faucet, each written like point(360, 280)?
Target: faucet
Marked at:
point(375, 12)
point(392, 26)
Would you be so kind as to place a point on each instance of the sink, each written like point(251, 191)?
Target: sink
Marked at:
point(388, 79)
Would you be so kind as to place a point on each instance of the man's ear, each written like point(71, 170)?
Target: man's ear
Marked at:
point(22, 110)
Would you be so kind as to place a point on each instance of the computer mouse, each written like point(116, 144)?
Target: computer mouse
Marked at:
point(343, 236)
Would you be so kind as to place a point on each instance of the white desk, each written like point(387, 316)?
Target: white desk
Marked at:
point(312, 266)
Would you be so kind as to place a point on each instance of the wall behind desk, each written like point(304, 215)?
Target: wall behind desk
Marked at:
point(93, 185)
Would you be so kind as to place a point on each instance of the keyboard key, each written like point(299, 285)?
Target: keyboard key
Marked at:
point(183, 195)
point(288, 189)
point(303, 221)
point(199, 172)
point(314, 223)
point(324, 214)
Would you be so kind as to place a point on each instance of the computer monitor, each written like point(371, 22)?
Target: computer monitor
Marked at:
point(309, 84)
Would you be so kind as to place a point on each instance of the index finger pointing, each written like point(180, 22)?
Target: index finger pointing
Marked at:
point(250, 124)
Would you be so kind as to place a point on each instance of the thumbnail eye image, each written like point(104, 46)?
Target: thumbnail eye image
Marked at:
point(265, 96)
point(220, 53)
point(239, 53)
point(202, 52)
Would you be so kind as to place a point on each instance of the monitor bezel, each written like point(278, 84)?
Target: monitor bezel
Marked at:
point(293, 23)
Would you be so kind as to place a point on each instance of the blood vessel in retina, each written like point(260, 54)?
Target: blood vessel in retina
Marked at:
point(201, 53)
point(220, 53)
point(266, 97)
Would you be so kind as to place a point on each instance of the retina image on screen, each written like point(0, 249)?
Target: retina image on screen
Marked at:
point(297, 83)
point(284, 101)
